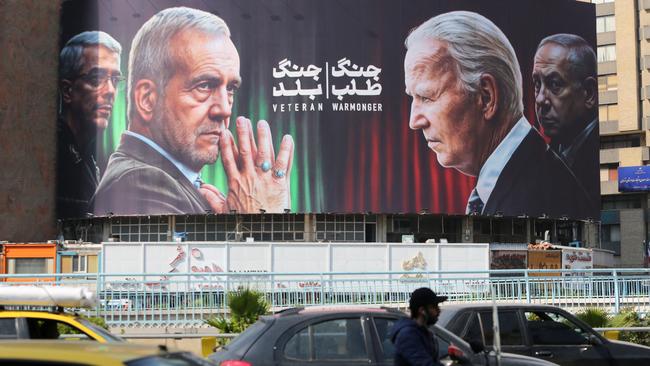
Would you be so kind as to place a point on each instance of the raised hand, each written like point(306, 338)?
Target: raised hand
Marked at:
point(257, 179)
point(215, 198)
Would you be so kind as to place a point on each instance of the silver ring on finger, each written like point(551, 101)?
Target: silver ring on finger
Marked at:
point(279, 173)
point(265, 166)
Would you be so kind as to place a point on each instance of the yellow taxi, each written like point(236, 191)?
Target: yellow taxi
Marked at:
point(16, 323)
point(78, 353)
point(49, 325)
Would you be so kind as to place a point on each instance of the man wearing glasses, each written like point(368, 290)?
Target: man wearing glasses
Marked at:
point(89, 74)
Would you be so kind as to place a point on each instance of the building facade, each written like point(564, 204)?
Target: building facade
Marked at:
point(623, 35)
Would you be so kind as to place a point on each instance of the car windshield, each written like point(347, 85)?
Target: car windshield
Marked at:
point(108, 336)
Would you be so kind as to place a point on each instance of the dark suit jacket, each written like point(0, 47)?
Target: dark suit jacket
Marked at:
point(536, 181)
point(586, 164)
point(77, 174)
point(138, 180)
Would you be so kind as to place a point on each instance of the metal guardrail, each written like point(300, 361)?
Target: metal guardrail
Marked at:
point(624, 329)
point(187, 299)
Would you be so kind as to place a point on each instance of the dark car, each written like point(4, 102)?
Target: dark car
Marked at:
point(542, 331)
point(340, 336)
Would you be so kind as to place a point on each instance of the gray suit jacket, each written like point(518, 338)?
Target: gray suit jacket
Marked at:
point(140, 181)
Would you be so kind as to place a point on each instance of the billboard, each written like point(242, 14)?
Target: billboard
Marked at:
point(577, 259)
point(508, 259)
point(634, 179)
point(188, 107)
point(544, 259)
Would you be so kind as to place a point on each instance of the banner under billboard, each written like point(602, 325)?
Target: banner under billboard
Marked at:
point(317, 106)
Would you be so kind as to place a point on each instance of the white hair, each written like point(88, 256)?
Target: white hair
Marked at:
point(478, 47)
point(151, 57)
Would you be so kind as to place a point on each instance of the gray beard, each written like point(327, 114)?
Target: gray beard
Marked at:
point(184, 151)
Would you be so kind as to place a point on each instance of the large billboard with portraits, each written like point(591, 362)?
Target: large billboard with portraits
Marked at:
point(384, 106)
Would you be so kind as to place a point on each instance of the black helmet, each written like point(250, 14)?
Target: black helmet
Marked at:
point(423, 297)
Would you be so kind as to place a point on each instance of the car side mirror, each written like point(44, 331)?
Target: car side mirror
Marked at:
point(594, 341)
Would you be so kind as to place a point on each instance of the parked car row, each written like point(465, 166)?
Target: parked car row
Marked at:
point(529, 335)
point(345, 336)
point(545, 332)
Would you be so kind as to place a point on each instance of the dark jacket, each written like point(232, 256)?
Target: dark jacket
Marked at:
point(536, 181)
point(140, 181)
point(414, 345)
point(77, 174)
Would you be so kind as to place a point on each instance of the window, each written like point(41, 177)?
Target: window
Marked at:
point(619, 141)
point(145, 228)
point(605, 24)
point(608, 112)
point(625, 201)
point(607, 83)
point(79, 263)
point(609, 172)
point(298, 346)
point(606, 53)
point(613, 174)
point(267, 227)
point(611, 233)
point(549, 328)
point(384, 327)
point(30, 265)
point(339, 339)
point(350, 228)
point(508, 324)
point(51, 329)
point(8, 328)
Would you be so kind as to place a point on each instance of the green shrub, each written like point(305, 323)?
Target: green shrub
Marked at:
point(627, 317)
point(245, 306)
point(595, 317)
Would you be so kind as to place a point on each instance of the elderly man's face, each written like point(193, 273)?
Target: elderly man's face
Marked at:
point(92, 92)
point(444, 112)
point(560, 100)
point(198, 98)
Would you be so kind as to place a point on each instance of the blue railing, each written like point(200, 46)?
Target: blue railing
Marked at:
point(187, 299)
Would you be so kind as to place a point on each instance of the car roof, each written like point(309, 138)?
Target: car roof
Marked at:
point(335, 309)
point(73, 351)
point(35, 314)
point(456, 307)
